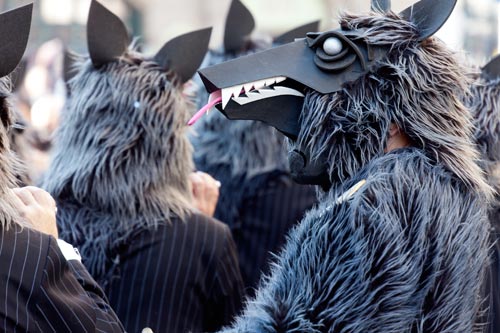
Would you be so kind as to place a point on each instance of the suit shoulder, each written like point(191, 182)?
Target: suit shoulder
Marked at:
point(18, 242)
point(211, 223)
point(23, 256)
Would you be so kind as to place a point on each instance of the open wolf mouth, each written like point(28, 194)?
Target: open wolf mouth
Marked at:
point(255, 91)
point(266, 96)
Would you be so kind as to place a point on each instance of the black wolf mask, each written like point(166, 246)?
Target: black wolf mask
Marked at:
point(254, 147)
point(334, 94)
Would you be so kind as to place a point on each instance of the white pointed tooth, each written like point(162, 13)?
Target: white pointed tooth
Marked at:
point(236, 90)
point(248, 87)
point(287, 91)
point(270, 82)
point(280, 79)
point(226, 95)
point(259, 84)
point(229, 92)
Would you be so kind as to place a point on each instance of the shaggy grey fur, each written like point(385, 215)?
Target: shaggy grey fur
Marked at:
point(485, 106)
point(419, 91)
point(10, 166)
point(122, 158)
point(407, 252)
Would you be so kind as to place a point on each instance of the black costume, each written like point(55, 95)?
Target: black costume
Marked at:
point(396, 256)
point(398, 242)
point(485, 106)
point(177, 278)
point(42, 292)
point(120, 176)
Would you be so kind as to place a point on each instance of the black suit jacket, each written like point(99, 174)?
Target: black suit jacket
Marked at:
point(259, 210)
point(42, 292)
point(179, 277)
point(492, 283)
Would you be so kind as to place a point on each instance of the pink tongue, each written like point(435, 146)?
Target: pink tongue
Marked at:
point(215, 98)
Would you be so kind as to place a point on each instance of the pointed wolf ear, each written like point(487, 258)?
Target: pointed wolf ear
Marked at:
point(381, 5)
point(183, 54)
point(298, 32)
point(107, 37)
point(239, 25)
point(15, 28)
point(429, 15)
point(492, 69)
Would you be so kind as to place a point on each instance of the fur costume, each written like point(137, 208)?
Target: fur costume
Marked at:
point(258, 200)
point(484, 104)
point(10, 164)
point(120, 176)
point(97, 176)
point(398, 242)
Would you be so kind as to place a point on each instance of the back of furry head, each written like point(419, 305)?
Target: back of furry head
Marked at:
point(121, 148)
point(417, 86)
point(485, 106)
point(9, 164)
point(246, 146)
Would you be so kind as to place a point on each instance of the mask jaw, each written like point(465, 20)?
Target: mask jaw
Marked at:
point(286, 120)
point(307, 171)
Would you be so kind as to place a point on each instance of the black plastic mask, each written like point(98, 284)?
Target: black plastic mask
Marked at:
point(269, 86)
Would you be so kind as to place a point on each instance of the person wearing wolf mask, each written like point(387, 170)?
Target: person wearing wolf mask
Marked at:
point(373, 113)
point(120, 176)
point(44, 286)
point(258, 199)
point(484, 103)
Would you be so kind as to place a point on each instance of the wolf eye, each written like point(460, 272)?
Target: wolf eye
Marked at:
point(332, 46)
point(335, 51)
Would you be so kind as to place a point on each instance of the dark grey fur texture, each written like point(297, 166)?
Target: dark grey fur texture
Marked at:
point(122, 158)
point(407, 252)
point(419, 91)
point(485, 106)
point(10, 166)
point(404, 255)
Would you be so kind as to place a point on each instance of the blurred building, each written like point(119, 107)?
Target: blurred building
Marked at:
point(473, 26)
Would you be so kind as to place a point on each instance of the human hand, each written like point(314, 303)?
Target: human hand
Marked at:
point(205, 192)
point(38, 208)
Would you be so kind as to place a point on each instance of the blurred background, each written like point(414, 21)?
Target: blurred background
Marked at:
point(60, 24)
point(473, 26)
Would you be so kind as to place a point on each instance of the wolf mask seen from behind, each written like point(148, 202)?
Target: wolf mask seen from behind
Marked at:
point(122, 158)
point(484, 102)
point(15, 26)
point(485, 106)
point(398, 243)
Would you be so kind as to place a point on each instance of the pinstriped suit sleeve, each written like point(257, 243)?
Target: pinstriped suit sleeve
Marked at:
point(226, 287)
point(70, 300)
point(43, 292)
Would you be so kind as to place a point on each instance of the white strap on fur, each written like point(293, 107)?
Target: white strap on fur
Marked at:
point(350, 192)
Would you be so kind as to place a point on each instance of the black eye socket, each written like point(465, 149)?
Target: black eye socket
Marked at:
point(334, 51)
